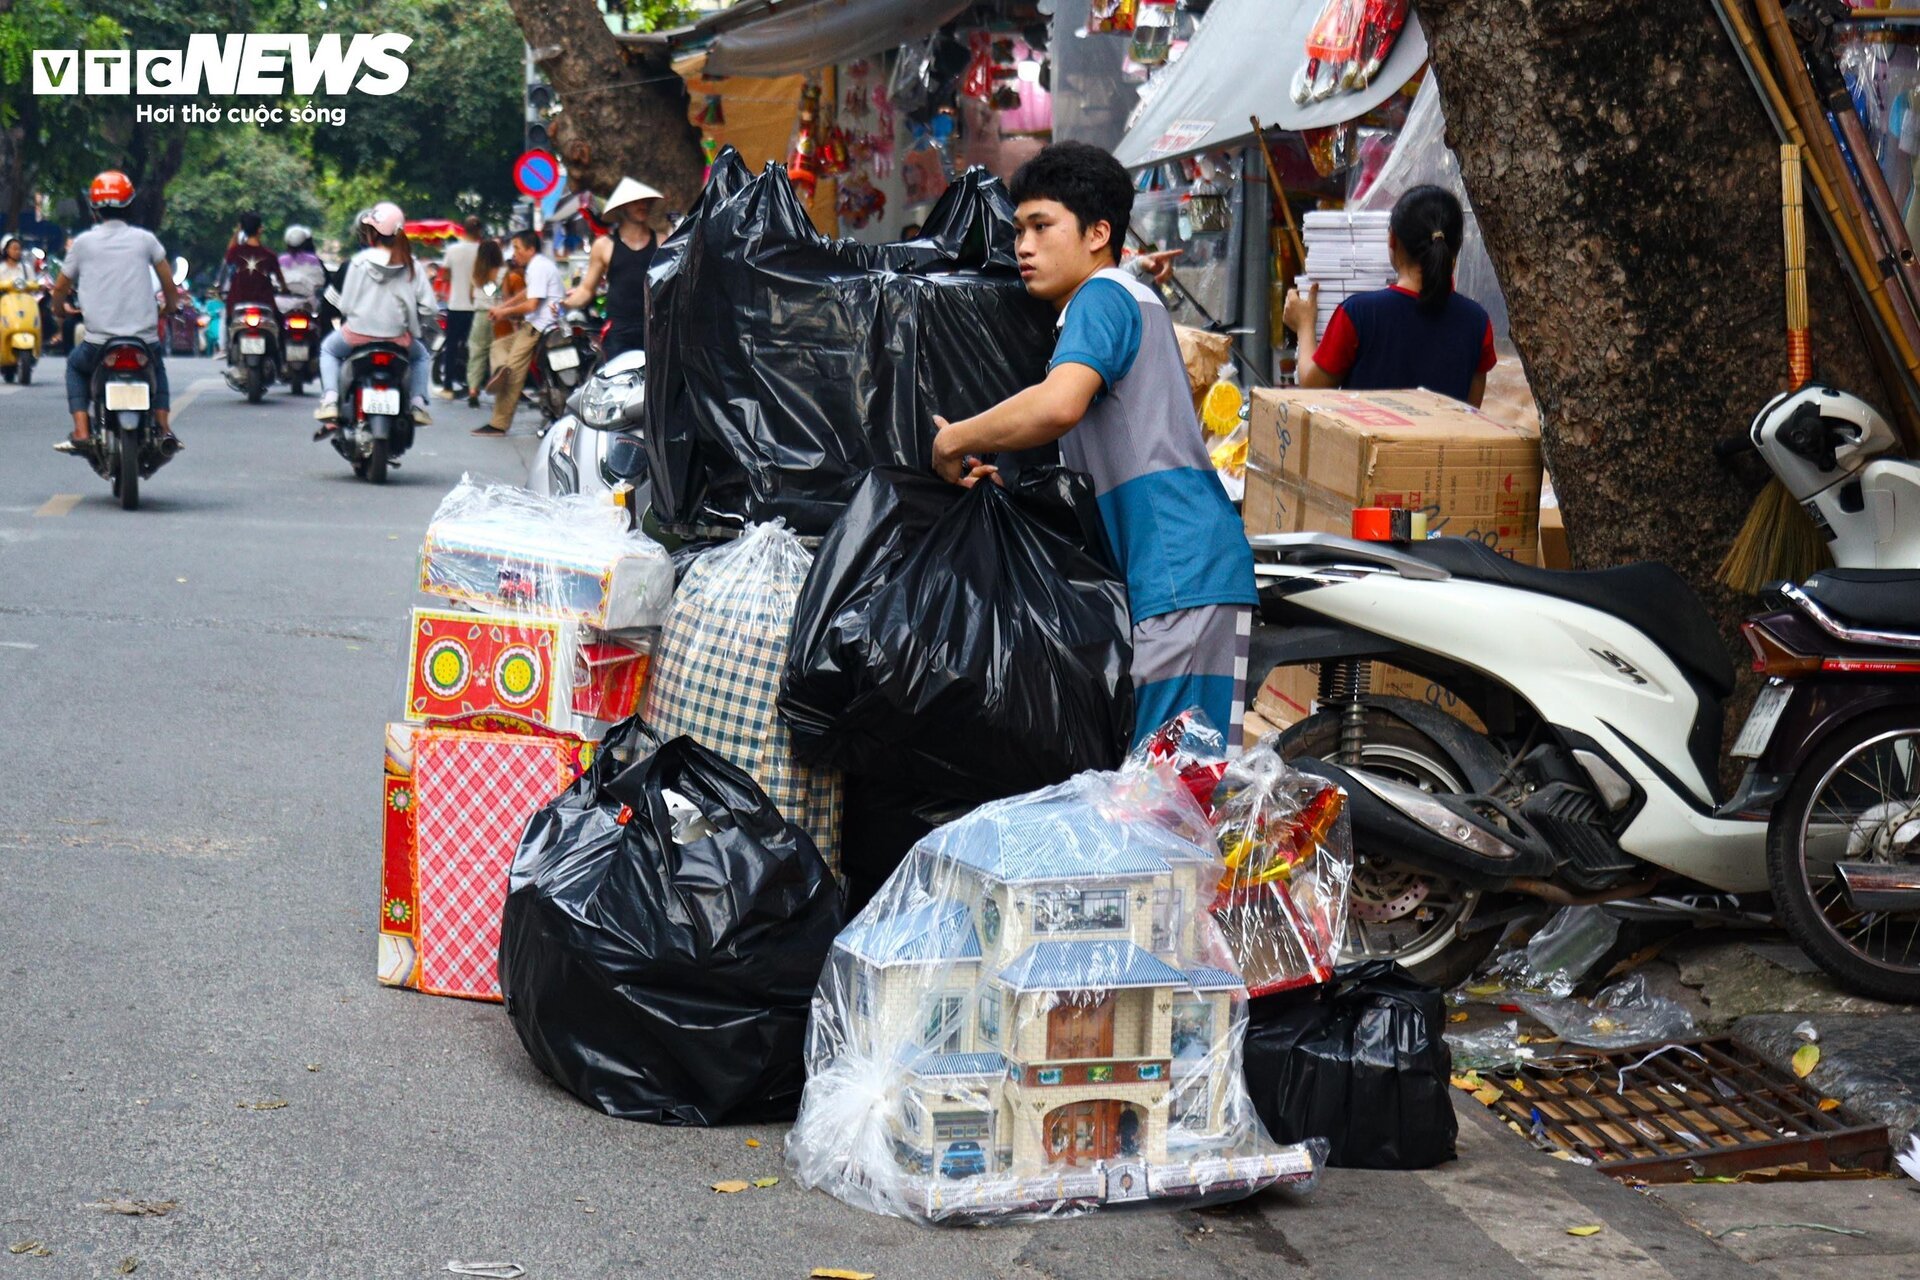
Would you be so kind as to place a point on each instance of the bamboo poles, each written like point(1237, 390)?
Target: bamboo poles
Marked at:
point(1279, 192)
point(1793, 220)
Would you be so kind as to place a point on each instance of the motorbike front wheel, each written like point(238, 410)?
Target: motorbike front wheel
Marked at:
point(26, 371)
point(1395, 912)
point(1856, 799)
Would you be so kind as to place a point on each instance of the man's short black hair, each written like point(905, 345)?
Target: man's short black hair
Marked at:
point(1084, 178)
point(472, 227)
point(531, 239)
point(250, 223)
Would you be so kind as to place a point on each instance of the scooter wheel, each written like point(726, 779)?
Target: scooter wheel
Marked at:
point(26, 371)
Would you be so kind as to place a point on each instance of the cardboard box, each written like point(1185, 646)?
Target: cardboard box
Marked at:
point(1313, 456)
point(1204, 354)
point(1287, 695)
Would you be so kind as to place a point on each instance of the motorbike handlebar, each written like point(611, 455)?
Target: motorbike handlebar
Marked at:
point(1734, 446)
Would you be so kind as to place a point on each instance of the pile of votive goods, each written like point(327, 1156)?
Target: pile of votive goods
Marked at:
point(598, 809)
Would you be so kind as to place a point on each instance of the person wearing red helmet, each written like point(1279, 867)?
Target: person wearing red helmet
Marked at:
point(113, 266)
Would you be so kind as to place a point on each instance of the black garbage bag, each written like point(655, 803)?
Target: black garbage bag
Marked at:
point(963, 644)
point(783, 365)
point(1361, 1061)
point(661, 968)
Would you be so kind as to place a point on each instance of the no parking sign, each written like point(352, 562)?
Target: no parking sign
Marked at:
point(536, 173)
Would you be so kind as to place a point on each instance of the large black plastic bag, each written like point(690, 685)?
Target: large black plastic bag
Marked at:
point(782, 365)
point(667, 981)
point(959, 642)
point(1361, 1061)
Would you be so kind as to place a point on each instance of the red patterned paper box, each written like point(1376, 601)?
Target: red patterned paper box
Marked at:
point(459, 663)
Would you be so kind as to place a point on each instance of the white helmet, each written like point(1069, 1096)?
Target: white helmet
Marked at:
point(298, 237)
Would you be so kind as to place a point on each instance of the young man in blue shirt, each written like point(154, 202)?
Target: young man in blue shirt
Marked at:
point(1116, 398)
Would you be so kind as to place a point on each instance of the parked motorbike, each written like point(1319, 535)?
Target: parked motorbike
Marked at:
point(561, 360)
point(124, 434)
point(300, 341)
point(375, 425)
point(19, 332)
point(1603, 694)
point(253, 350)
point(597, 443)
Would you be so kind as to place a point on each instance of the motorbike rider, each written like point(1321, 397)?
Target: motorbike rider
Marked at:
point(300, 267)
point(622, 257)
point(112, 266)
point(19, 275)
point(251, 272)
point(385, 296)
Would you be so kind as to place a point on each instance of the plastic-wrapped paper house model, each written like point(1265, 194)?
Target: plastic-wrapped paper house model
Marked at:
point(1037, 1015)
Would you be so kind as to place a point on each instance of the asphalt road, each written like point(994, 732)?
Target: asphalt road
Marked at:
point(191, 702)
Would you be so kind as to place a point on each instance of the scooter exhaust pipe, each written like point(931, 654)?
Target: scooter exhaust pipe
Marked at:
point(1878, 886)
point(1437, 833)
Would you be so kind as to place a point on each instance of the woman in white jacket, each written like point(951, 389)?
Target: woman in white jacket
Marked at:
point(385, 297)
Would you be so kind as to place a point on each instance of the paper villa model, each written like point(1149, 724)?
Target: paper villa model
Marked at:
point(1055, 1015)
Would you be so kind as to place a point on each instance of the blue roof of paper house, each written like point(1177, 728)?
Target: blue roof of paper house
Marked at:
point(1206, 979)
point(958, 1064)
point(1088, 966)
point(939, 930)
point(1064, 839)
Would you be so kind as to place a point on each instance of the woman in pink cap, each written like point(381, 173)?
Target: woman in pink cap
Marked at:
point(384, 297)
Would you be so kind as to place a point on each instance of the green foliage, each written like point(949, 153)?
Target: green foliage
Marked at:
point(227, 174)
point(653, 15)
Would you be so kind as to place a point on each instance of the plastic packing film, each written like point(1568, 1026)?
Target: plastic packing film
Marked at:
point(1623, 1014)
point(1421, 156)
point(566, 604)
point(1287, 843)
point(783, 365)
point(717, 673)
point(1882, 72)
point(1036, 1016)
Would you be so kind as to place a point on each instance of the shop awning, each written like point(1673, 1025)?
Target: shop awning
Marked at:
point(1242, 64)
point(783, 37)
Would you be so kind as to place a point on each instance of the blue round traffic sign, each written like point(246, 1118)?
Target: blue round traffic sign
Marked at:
point(536, 173)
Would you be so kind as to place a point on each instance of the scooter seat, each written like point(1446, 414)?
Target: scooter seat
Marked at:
point(1869, 599)
point(1649, 597)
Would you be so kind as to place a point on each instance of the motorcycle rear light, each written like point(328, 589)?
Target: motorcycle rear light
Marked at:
point(1871, 666)
point(1772, 658)
point(253, 318)
point(381, 359)
point(296, 322)
point(126, 359)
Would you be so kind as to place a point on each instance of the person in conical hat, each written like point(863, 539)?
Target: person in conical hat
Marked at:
point(622, 258)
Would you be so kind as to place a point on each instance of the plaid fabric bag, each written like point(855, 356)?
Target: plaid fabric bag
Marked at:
point(716, 673)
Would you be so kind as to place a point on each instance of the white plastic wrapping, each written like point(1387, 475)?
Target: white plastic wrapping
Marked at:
point(506, 549)
point(716, 673)
point(1037, 1016)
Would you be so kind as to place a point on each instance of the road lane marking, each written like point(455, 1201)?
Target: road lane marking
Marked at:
point(17, 644)
point(193, 393)
point(58, 505)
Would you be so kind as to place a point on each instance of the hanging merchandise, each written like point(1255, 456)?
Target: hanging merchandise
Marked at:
point(662, 932)
point(1332, 149)
point(712, 114)
point(963, 643)
point(911, 84)
point(1282, 904)
point(860, 202)
point(803, 153)
point(1332, 43)
point(720, 659)
point(1362, 1062)
point(780, 407)
point(1111, 17)
point(928, 168)
point(1035, 1019)
point(1152, 33)
point(977, 81)
point(1386, 19)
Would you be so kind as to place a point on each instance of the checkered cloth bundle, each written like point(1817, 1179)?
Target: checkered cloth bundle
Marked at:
point(716, 674)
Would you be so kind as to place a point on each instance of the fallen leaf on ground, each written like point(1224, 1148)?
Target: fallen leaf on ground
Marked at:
point(1467, 1081)
point(1829, 1104)
point(1590, 1230)
point(127, 1266)
point(730, 1186)
point(1457, 1017)
point(32, 1248)
point(269, 1104)
point(487, 1270)
point(1805, 1059)
point(136, 1208)
point(313, 1066)
point(838, 1273)
point(753, 1142)
point(766, 1182)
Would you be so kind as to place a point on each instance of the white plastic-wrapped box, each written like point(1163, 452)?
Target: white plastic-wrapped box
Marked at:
point(1036, 1016)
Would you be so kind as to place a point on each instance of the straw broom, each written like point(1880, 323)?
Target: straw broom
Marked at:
point(1778, 540)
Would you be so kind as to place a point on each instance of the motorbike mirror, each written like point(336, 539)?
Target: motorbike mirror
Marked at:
point(179, 271)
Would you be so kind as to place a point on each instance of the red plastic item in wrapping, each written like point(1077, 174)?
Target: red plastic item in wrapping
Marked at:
point(1192, 749)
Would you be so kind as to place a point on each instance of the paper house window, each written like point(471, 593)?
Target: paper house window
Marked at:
point(990, 922)
point(1079, 911)
point(990, 1016)
point(1192, 1038)
point(863, 993)
point(946, 1024)
point(1166, 919)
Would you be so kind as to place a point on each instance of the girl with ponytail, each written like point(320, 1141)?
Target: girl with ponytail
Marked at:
point(1417, 332)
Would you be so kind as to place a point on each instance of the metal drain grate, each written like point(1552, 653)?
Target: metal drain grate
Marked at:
point(1697, 1108)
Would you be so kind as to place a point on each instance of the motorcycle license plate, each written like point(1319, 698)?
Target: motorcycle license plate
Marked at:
point(1761, 720)
point(296, 351)
point(129, 396)
point(563, 358)
point(380, 400)
point(253, 346)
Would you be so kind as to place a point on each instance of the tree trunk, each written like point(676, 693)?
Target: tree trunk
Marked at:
point(1627, 181)
point(625, 114)
point(154, 155)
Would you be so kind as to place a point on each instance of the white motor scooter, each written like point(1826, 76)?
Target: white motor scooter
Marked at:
point(597, 444)
point(1602, 694)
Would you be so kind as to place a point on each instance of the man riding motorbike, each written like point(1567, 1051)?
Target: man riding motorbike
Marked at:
point(251, 272)
point(113, 266)
point(300, 267)
point(384, 296)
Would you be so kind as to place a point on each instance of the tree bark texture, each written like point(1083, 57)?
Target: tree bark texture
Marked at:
point(1627, 180)
point(624, 113)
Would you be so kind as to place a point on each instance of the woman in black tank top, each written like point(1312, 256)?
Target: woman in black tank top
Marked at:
point(622, 258)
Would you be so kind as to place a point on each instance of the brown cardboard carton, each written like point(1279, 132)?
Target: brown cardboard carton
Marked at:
point(1204, 355)
point(1286, 696)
